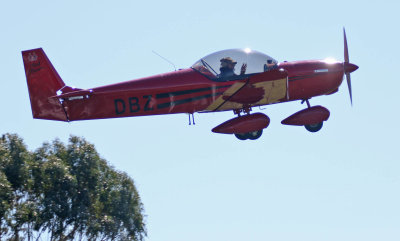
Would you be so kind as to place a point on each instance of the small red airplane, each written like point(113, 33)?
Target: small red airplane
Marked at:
point(212, 84)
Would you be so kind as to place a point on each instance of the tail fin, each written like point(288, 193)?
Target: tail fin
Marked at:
point(43, 82)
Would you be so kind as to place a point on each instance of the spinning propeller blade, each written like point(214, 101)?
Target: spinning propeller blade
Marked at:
point(349, 86)
point(346, 50)
point(347, 66)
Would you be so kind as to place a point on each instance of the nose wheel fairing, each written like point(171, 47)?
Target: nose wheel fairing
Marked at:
point(309, 116)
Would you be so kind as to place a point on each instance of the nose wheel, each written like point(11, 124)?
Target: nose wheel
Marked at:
point(314, 127)
point(311, 118)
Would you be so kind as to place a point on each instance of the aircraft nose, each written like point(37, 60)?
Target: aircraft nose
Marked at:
point(349, 67)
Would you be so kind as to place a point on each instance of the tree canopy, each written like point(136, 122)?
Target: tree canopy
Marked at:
point(65, 192)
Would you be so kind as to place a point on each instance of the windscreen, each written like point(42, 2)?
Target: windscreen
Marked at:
point(234, 64)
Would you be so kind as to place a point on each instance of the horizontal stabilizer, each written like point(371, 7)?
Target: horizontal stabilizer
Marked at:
point(79, 93)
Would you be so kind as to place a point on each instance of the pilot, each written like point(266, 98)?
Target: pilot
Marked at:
point(269, 65)
point(228, 66)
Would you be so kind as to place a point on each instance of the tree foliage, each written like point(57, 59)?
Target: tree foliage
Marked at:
point(67, 192)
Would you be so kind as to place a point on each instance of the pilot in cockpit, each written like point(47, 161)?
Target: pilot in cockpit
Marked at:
point(228, 66)
point(270, 65)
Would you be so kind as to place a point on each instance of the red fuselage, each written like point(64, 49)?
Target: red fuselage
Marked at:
point(188, 91)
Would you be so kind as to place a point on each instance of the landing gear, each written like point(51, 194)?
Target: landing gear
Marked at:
point(314, 127)
point(254, 135)
point(311, 118)
point(244, 127)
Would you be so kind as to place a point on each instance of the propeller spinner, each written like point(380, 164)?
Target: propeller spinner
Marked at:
point(347, 66)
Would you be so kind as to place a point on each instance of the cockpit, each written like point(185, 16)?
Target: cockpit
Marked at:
point(233, 64)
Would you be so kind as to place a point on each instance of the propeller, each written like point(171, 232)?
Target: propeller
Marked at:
point(347, 66)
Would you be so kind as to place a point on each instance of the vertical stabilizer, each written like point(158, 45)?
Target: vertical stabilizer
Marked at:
point(43, 82)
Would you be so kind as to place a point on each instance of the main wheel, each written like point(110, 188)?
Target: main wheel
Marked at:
point(254, 135)
point(241, 136)
point(314, 127)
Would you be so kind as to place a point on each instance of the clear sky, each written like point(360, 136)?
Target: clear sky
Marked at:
point(342, 183)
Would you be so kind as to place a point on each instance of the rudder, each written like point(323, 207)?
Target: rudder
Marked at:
point(43, 82)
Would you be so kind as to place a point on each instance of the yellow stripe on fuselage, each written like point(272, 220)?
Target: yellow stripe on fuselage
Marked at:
point(274, 91)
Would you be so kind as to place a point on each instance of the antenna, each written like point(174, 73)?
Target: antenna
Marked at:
point(164, 59)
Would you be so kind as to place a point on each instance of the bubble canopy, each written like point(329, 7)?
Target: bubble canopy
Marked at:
point(213, 65)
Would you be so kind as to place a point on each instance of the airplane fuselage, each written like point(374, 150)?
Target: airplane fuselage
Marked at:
point(187, 91)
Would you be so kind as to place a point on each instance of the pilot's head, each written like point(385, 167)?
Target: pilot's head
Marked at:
point(228, 62)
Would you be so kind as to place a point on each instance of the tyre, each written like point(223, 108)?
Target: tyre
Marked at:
point(254, 135)
point(241, 136)
point(314, 127)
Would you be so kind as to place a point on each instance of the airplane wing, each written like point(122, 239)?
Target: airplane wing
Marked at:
point(260, 89)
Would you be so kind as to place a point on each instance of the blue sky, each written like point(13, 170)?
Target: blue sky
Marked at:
point(341, 183)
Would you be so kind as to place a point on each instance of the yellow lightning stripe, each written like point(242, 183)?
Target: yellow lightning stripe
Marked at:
point(229, 92)
point(274, 91)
